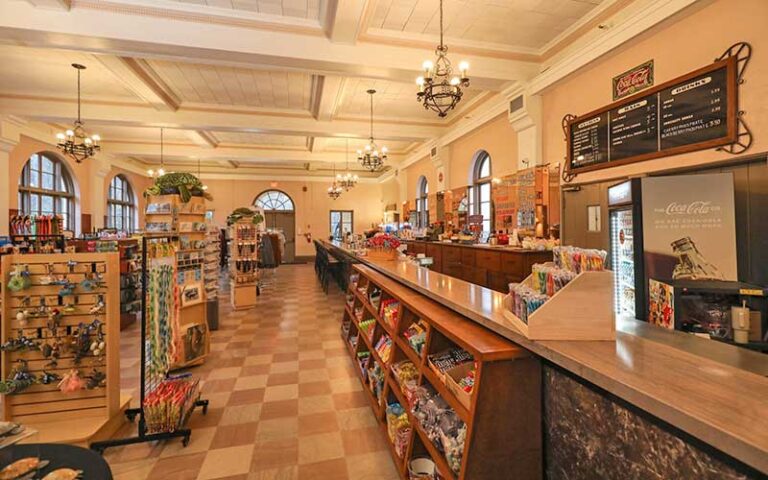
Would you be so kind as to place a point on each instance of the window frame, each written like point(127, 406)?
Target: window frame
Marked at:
point(62, 194)
point(482, 184)
point(422, 203)
point(342, 222)
point(284, 198)
point(126, 205)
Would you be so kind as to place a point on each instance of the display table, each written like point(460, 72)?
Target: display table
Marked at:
point(91, 463)
point(665, 399)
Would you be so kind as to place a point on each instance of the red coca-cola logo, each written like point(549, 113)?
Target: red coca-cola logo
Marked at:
point(633, 80)
point(699, 207)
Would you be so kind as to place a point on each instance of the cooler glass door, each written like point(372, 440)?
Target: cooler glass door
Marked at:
point(622, 261)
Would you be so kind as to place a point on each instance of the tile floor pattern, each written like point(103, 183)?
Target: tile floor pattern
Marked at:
point(285, 402)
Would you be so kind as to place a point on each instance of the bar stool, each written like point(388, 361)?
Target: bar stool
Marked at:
point(329, 268)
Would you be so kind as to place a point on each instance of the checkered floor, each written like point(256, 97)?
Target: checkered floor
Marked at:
point(285, 402)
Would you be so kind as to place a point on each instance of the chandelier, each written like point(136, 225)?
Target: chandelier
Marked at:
point(161, 171)
point(348, 180)
point(439, 89)
point(75, 142)
point(335, 190)
point(371, 157)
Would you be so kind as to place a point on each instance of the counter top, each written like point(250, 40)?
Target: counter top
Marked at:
point(484, 246)
point(715, 392)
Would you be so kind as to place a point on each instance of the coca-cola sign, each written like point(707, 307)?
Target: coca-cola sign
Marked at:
point(633, 80)
point(698, 207)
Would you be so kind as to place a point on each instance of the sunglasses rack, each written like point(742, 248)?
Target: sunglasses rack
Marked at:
point(60, 345)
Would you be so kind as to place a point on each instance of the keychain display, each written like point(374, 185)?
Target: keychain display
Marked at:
point(20, 279)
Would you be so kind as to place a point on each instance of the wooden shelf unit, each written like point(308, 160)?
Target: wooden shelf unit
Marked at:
point(243, 290)
point(504, 415)
point(85, 415)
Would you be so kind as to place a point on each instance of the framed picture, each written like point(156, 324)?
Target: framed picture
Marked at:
point(192, 294)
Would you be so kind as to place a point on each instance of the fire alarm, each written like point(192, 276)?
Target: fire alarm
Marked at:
point(304, 188)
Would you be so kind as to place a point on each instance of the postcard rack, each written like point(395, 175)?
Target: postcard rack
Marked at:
point(243, 263)
point(158, 318)
point(61, 345)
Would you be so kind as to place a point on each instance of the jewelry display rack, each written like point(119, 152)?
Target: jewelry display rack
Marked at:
point(152, 376)
point(243, 263)
point(65, 321)
point(168, 215)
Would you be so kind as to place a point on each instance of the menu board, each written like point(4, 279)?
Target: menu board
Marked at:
point(692, 112)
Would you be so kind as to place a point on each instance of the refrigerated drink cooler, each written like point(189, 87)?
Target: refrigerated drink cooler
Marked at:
point(626, 256)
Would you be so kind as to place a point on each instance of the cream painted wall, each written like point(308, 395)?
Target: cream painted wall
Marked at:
point(312, 207)
point(496, 137)
point(682, 44)
point(423, 167)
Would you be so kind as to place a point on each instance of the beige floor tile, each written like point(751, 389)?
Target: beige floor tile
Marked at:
point(372, 466)
point(355, 418)
point(277, 429)
point(281, 392)
point(316, 404)
point(135, 470)
point(241, 414)
point(222, 373)
point(258, 359)
point(321, 447)
point(248, 383)
point(346, 385)
point(281, 473)
point(200, 441)
point(314, 375)
point(226, 461)
point(284, 367)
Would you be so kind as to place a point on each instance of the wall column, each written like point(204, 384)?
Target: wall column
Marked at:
point(100, 168)
point(5, 183)
point(526, 120)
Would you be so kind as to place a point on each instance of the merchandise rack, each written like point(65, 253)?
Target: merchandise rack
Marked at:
point(244, 250)
point(76, 417)
point(500, 442)
point(149, 381)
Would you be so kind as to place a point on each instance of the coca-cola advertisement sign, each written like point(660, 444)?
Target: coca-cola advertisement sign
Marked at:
point(689, 227)
point(633, 80)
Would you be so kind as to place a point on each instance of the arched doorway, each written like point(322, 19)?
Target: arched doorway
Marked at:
point(280, 214)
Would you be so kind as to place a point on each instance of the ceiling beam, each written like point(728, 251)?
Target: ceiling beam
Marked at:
point(328, 96)
point(52, 4)
point(202, 138)
point(241, 155)
point(345, 20)
point(142, 80)
point(49, 109)
point(152, 36)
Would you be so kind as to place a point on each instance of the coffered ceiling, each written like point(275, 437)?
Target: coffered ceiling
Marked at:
point(265, 85)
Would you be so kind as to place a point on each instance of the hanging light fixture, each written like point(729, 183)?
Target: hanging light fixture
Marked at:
point(75, 142)
point(371, 157)
point(439, 89)
point(335, 190)
point(348, 180)
point(160, 171)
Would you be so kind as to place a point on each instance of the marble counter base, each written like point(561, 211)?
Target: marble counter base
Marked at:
point(589, 435)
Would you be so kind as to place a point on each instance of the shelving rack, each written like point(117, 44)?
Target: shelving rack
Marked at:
point(500, 442)
point(243, 263)
point(185, 222)
point(212, 259)
point(80, 416)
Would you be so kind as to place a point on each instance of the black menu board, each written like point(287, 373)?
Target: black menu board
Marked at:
point(692, 112)
point(589, 141)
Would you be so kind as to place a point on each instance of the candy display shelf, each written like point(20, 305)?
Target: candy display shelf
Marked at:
point(499, 443)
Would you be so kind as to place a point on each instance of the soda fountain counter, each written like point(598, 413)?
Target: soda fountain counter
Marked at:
point(651, 404)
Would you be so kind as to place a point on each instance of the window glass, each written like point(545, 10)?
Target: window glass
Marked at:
point(480, 192)
point(121, 205)
point(274, 200)
point(341, 223)
point(45, 188)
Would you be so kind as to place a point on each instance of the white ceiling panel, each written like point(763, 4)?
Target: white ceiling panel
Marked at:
point(245, 138)
point(220, 85)
point(518, 23)
point(306, 9)
point(46, 72)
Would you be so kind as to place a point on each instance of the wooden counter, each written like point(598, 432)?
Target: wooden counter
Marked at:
point(492, 267)
point(716, 393)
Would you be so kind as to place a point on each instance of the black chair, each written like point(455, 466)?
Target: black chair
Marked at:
point(328, 267)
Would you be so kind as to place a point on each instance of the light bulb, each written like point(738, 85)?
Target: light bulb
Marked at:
point(160, 172)
point(384, 149)
point(420, 81)
point(70, 133)
point(463, 67)
point(151, 172)
point(455, 81)
point(427, 65)
point(205, 187)
point(88, 141)
point(359, 152)
point(367, 148)
point(96, 137)
point(60, 136)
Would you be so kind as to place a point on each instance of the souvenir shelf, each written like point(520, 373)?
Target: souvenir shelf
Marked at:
point(168, 216)
point(166, 401)
point(61, 343)
point(212, 259)
point(243, 263)
point(409, 347)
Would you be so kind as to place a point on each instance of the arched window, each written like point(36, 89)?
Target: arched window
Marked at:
point(121, 205)
point(480, 190)
point(422, 203)
point(46, 188)
point(274, 200)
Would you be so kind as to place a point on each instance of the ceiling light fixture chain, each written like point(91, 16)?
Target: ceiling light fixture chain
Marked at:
point(335, 190)
point(75, 143)
point(371, 157)
point(439, 89)
point(348, 180)
point(160, 171)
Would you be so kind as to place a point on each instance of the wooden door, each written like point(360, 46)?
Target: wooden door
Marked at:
point(285, 222)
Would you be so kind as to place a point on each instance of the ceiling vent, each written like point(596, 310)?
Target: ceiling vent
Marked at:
point(515, 104)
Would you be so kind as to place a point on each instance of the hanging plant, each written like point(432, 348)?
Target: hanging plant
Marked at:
point(183, 184)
